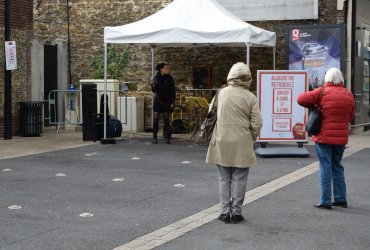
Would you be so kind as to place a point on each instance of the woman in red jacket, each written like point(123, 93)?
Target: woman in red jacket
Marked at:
point(337, 109)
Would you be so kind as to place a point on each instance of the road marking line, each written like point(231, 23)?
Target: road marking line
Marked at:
point(181, 227)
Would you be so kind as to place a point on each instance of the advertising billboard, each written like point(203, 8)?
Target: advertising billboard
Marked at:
point(283, 118)
point(315, 48)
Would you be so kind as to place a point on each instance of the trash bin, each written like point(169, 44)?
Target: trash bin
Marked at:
point(31, 118)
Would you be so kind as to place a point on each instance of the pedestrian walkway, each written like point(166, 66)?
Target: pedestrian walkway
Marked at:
point(179, 228)
point(135, 195)
point(49, 141)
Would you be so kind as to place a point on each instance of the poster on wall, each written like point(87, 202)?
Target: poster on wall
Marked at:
point(283, 118)
point(315, 48)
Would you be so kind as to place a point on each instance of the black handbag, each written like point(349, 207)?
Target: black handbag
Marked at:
point(208, 125)
point(313, 123)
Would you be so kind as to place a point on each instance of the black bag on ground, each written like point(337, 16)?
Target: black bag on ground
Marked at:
point(114, 128)
point(178, 126)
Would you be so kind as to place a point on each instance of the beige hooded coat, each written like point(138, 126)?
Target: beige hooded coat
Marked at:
point(238, 122)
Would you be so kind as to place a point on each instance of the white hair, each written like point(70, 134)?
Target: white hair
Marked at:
point(335, 76)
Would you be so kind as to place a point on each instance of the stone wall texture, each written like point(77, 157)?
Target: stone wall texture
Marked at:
point(87, 19)
point(21, 15)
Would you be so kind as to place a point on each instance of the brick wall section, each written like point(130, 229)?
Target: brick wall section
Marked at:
point(21, 14)
point(21, 32)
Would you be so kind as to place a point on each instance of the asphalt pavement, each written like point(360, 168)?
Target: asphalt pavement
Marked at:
point(58, 192)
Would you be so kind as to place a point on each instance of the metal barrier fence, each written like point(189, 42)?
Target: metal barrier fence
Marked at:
point(65, 107)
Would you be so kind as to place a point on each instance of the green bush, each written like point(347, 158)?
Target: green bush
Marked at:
point(117, 61)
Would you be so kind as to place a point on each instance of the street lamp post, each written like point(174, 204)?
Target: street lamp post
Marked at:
point(8, 81)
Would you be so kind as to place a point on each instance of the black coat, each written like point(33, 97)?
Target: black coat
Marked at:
point(165, 92)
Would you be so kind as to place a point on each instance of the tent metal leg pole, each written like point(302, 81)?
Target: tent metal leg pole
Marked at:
point(274, 57)
point(152, 50)
point(248, 52)
point(105, 88)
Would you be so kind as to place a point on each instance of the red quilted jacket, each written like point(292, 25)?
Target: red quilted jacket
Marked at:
point(337, 108)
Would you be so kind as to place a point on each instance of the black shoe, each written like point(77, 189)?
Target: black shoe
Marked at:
point(167, 140)
point(322, 206)
point(224, 217)
point(155, 141)
point(235, 218)
point(340, 204)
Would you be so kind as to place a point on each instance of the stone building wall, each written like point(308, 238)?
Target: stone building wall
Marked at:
point(89, 17)
point(21, 32)
point(87, 21)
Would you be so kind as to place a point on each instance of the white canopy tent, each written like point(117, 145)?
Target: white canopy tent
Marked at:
point(188, 23)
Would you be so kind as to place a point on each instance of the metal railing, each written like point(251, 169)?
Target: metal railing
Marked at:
point(65, 107)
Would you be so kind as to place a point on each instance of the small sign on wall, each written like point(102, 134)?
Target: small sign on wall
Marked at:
point(10, 55)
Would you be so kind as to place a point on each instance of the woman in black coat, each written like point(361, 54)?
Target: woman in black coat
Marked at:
point(163, 87)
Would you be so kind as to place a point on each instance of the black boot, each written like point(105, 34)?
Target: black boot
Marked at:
point(167, 140)
point(155, 131)
point(155, 141)
point(167, 132)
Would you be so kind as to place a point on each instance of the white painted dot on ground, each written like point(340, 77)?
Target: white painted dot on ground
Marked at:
point(186, 162)
point(7, 170)
point(118, 179)
point(60, 175)
point(179, 185)
point(91, 154)
point(137, 224)
point(86, 215)
point(135, 158)
point(14, 207)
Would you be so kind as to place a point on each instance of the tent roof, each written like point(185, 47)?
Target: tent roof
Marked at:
point(185, 23)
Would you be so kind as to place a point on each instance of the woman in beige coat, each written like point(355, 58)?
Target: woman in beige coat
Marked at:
point(231, 148)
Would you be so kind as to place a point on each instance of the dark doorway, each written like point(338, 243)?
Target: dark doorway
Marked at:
point(50, 80)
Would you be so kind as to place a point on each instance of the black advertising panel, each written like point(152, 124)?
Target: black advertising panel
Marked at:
point(315, 48)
